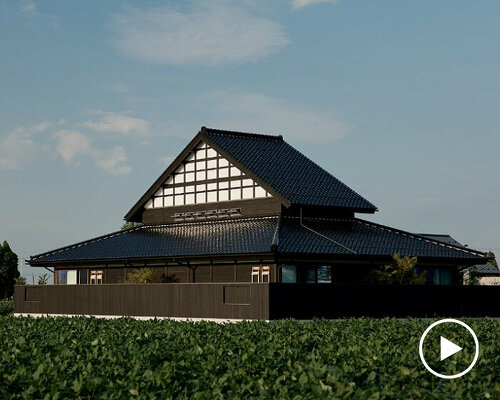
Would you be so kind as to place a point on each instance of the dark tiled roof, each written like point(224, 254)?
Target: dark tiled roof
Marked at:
point(257, 235)
point(288, 171)
point(247, 236)
point(484, 269)
point(356, 236)
point(441, 238)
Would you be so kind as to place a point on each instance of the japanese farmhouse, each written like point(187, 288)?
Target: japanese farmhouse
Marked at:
point(235, 214)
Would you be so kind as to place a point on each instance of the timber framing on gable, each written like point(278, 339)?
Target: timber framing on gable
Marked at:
point(139, 214)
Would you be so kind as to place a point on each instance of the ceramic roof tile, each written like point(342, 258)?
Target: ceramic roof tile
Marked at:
point(288, 171)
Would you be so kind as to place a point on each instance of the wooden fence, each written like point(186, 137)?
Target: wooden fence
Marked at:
point(196, 300)
point(303, 301)
point(258, 300)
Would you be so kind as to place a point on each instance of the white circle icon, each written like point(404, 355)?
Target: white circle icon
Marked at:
point(448, 348)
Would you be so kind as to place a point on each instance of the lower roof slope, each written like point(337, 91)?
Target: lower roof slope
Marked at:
point(360, 237)
point(257, 235)
point(487, 269)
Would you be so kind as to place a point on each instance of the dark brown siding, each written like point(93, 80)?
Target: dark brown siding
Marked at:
point(248, 208)
point(178, 273)
point(115, 275)
point(223, 273)
point(202, 274)
point(243, 273)
point(203, 300)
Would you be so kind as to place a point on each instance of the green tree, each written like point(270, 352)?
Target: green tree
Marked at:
point(21, 280)
point(491, 258)
point(128, 225)
point(8, 270)
point(401, 272)
point(142, 275)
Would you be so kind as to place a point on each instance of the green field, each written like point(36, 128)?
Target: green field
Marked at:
point(73, 358)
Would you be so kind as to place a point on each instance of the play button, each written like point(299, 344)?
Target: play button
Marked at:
point(448, 348)
point(451, 348)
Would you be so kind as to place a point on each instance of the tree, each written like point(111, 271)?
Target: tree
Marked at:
point(142, 275)
point(8, 270)
point(128, 225)
point(21, 280)
point(401, 272)
point(491, 258)
point(43, 279)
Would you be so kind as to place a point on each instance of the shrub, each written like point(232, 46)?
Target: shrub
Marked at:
point(401, 272)
point(142, 275)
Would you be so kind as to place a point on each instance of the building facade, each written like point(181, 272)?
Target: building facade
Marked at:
point(239, 207)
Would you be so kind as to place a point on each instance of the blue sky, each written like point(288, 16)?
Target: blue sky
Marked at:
point(398, 99)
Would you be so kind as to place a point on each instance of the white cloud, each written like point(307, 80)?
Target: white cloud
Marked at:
point(112, 161)
point(257, 112)
point(71, 144)
point(304, 3)
point(18, 147)
point(211, 33)
point(119, 123)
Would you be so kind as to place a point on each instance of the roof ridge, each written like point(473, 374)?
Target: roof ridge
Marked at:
point(418, 237)
point(239, 133)
point(211, 221)
point(431, 234)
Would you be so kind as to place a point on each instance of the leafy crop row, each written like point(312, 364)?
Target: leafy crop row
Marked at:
point(6, 307)
point(80, 358)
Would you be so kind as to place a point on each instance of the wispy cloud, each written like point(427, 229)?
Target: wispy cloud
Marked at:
point(19, 146)
point(257, 112)
point(119, 123)
point(210, 33)
point(113, 161)
point(304, 3)
point(72, 144)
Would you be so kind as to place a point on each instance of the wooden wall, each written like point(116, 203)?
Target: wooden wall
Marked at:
point(203, 300)
point(248, 208)
point(259, 300)
point(308, 301)
point(181, 274)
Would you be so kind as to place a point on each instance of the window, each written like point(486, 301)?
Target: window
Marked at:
point(289, 274)
point(325, 274)
point(96, 277)
point(437, 276)
point(62, 277)
point(255, 274)
point(266, 274)
point(72, 277)
point(261, 274)
point(83, 275)
point(310, 275)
